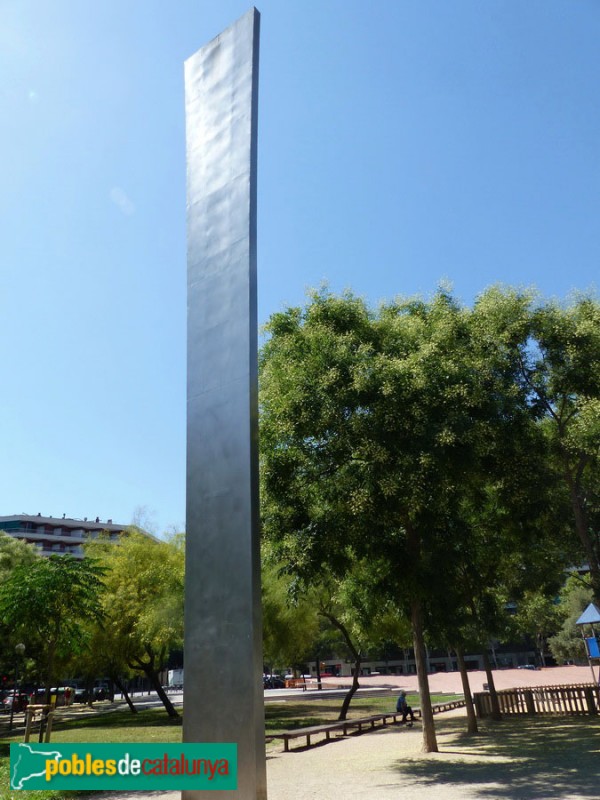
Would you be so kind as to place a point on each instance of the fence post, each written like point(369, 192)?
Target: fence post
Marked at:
point(479, 705)
point(590, 699)
point(529, 703)
point(42, 726)
point(29, 715)
point(49, 721)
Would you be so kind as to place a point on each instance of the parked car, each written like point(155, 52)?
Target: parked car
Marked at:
point(21, 701)
point(273, 682)
point(101, 692)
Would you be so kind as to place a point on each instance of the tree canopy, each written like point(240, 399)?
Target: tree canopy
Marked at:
point(14, 553)
point(433, 439)
point(142, 604)
point(47, 604)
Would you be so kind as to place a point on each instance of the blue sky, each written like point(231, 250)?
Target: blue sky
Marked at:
point(401, 143)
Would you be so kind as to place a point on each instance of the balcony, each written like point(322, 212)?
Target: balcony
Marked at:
point(57, 535)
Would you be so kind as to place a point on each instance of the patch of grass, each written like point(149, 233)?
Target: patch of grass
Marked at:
point(148, 725)
point(378, 704)
point(298, 713)
point(7, 794)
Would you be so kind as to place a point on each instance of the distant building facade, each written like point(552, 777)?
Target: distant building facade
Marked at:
point(501, 657)
point(56, 536)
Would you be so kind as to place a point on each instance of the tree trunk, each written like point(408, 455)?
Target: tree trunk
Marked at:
point(429, 737)
point(121, 687)
point(319, 683)
point(493, 694)
point(582, 524)
point(493, 649)
point(464, 676)
point(352, 691)
point(152, 675)
point(51, 654)
point(151, 672)
point(540, 647)
point(89, 689)
point(355, 655)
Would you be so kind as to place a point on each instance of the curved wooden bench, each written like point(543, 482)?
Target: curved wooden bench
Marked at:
point(360, 724)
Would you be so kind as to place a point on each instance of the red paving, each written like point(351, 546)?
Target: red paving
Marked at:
point(503, 679)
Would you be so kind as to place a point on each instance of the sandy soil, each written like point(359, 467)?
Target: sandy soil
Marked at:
point(526, 764)
point(364, 766)
point(503, 679)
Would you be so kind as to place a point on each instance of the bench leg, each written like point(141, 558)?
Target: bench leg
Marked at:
point(286, 745)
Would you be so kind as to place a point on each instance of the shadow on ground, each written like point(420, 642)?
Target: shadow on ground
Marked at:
point(518, 759)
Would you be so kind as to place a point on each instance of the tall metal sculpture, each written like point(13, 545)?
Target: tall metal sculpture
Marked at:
point(223, 694)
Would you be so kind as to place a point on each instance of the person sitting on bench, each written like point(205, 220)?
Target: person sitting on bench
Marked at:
point(403, 708)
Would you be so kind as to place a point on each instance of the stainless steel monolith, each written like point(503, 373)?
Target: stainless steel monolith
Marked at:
point(223, 693)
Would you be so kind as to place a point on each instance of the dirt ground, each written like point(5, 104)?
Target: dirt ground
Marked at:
point(517, 759)
point(503, 679)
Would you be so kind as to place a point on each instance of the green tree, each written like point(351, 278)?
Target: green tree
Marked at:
point(47, 604)
point(538, 617)
point(301, 621)
point(508, 547)
point(416, 436)
point(567, 643)
point(368, 432)
point(555, 350)
point(290, 621)
point(142, 604)
point(514, 540)
point(14, 553)
point(358, 610)
point(105, 655)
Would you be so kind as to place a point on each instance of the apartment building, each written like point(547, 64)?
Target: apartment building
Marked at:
point(56, 535)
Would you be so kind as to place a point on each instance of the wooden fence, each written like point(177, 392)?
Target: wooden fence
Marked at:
point(558, 700)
